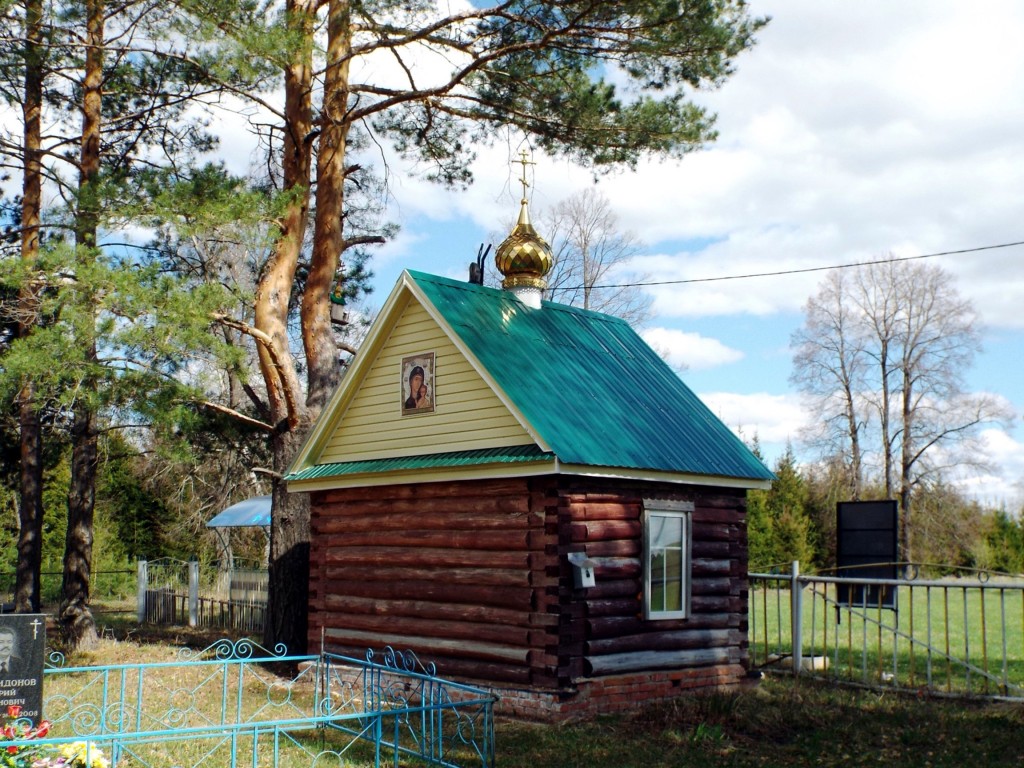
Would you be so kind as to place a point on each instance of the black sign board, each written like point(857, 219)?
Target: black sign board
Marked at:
point(22, 650)
point(866, 548)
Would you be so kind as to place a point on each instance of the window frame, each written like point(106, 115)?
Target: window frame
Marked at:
point(664, 508)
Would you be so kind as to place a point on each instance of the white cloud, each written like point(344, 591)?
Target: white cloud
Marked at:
point(400, 247)
point(687, 291)
point(848, 132)
point(773, 419)
point(689, 351)
point(1004, 485)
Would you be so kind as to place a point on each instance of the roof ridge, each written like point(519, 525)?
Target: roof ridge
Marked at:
point(452, 282)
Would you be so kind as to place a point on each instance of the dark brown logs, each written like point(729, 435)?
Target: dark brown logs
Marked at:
point(663, 641)
point(636, 662)
point(520, 598)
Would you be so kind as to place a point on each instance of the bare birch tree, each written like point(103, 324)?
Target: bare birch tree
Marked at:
point(590, 253)
point(829, 368)
point(893, 343)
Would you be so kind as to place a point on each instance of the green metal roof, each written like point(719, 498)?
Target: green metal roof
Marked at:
point(513, 455)
point(593, 390)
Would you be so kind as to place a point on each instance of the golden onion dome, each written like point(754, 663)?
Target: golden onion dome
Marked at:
point(524, 258)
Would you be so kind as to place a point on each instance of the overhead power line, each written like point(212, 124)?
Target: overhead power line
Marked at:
point(779, 273)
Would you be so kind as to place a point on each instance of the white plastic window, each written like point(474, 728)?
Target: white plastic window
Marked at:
point(667, 559)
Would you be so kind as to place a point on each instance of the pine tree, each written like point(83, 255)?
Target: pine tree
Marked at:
point(120, 89)
point(779, 529)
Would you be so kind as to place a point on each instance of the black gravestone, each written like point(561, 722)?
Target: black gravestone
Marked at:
point(866, 548)
point(22, 652)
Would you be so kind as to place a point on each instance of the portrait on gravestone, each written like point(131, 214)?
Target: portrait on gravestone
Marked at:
point(22, 652)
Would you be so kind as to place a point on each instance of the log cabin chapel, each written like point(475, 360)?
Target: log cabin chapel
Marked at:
point(527, 495)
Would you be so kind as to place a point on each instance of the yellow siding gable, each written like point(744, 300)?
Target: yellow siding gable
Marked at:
point(467, 414)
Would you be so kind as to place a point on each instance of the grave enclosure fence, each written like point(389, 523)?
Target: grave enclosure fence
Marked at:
point(235, 703)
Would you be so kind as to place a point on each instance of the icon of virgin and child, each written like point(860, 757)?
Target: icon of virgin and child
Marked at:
point(417, 384)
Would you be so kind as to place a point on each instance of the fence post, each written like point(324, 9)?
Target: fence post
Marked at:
point(193, 593)
point(796, 594)
point(142, 586)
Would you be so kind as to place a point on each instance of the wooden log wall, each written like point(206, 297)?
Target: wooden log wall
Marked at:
point(606, 524)
point(475, 577)
point(453, 571)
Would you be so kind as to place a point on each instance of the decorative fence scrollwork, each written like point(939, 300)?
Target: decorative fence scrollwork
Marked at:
point(227, 705)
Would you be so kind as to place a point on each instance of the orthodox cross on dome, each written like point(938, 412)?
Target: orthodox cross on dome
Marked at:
point(524, 258)
point(522, 160)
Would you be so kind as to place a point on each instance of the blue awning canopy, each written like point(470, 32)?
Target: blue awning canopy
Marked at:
point(249, 513)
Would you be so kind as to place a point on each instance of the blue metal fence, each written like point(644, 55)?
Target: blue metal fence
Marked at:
point(231, 705)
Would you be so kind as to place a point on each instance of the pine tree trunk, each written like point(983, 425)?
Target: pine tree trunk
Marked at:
point(289, 540)
point(288, 583)
point(76, 621)
point(288, 579)
point(30, 512)
point(318, 341)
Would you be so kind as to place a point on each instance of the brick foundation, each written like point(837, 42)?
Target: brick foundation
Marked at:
point(617, 693)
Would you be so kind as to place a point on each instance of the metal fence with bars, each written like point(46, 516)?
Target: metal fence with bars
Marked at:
point(175, 592)
point(234, 704)
point(954, 635)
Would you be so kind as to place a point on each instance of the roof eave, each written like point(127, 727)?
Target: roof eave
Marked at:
point(516, 470)
point(663, 476)
point(431, 475)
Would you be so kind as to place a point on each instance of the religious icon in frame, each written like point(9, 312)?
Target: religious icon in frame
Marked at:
point(417, 384)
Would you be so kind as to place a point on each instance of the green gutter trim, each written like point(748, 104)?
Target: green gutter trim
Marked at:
point(509, 455)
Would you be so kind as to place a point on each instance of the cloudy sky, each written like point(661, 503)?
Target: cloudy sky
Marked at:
point(853, 130)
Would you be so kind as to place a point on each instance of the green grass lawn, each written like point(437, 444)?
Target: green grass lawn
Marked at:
point(782, 722)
